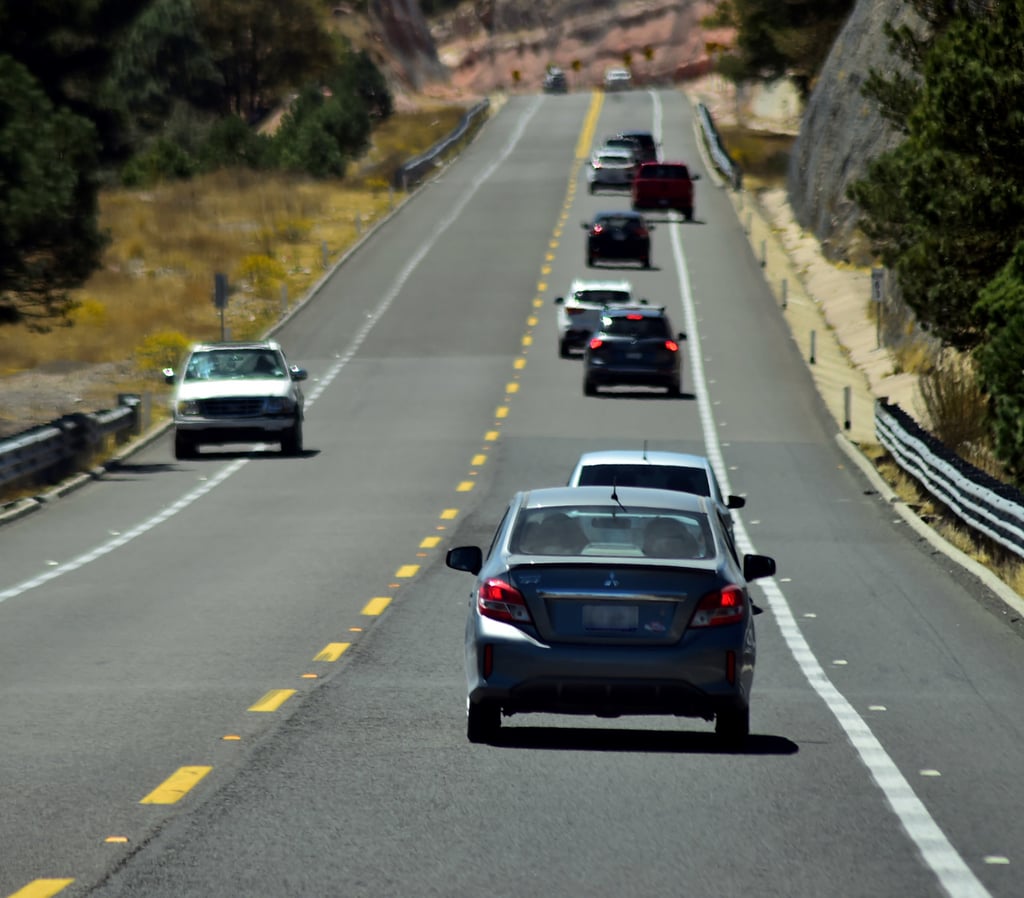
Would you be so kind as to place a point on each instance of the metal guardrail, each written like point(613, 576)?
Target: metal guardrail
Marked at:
point(417, 168)
point(983, 503)
point(719, 155)
point(47, 454)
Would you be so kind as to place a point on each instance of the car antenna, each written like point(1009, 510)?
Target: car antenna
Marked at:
point(645, 450)
point(615, 494)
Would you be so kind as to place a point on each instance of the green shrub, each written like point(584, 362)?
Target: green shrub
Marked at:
point(164, 160)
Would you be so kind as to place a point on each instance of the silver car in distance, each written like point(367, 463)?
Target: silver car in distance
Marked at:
point(609, 601)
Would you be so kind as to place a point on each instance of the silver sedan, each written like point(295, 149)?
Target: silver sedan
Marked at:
point(609, 601)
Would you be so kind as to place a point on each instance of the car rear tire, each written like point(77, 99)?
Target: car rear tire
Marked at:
point(483, 722)
point(563, 349)
point(291, 442)
point(591, 259)
point(674, 389)
point(646, 261)
point(733, 725)
point(589, 387)
point(184, 446)
point(687, 213)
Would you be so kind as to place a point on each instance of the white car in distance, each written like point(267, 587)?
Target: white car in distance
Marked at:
point(579, 310)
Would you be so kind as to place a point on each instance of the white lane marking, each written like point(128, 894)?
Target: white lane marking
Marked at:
point(954, 876)
point(373, 317)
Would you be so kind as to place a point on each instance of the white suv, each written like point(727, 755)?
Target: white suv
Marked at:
point(237, 393)
point(579, 311)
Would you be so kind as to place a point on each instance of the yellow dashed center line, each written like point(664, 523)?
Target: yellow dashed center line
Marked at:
point(511, 388)
point(407, 570)
point(527, 340)
point(479, 460)
point(501, 411)
point(449, 514)
point(464, 487)
point(376, 606)
point(431, 542)
point(272, 700)
point(332, 651)
point(42, 888)
point(176, 786)
point(489, 437)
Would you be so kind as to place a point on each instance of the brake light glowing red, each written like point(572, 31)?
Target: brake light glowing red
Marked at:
point(597, 229)
point(576, 311)
point(499, 600)
point(672, 346)
point(596, 343)
point(641, 232)
point(634, 317)
point(719, 608)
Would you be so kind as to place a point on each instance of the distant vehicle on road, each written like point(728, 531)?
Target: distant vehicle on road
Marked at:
point(555, 81)
point(619, 235)
point(611, 167)
point(664, 185)
point(633, 347)
point(617, 79)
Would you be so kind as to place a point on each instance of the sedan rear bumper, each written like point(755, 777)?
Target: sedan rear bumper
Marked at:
point(688, 679)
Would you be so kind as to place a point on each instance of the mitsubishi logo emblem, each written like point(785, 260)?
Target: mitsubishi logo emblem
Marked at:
point(611, 581)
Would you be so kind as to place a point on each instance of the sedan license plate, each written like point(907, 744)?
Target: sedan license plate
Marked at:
point(613, 618)
point(618, 235)
point(634, 355)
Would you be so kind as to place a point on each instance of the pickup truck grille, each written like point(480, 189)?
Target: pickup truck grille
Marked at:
point(232, 407)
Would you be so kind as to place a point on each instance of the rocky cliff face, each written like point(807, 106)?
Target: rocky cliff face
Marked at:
point(507, 44)
point(841, 130)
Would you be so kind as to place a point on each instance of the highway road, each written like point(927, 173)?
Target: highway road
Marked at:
point(242, 675)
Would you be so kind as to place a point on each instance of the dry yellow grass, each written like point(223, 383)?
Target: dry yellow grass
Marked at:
point(264, 231)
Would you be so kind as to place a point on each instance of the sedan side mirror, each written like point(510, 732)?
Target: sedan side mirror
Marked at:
point(757, 566)
point(681, 335)
point(735, 502)
point(298, 373)
point(585, 225)
point(168, 375)
point(695, 176)
point(467, 558)
point(559, 300)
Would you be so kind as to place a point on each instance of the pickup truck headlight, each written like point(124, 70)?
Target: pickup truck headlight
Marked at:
point(188, 407)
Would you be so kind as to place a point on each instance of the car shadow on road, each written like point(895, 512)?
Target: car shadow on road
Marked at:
point(267, 454)
point(650, 741)
point(628, 394)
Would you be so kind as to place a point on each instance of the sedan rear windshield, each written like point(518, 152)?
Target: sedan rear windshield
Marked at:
point(602, 531)
point(682, 480)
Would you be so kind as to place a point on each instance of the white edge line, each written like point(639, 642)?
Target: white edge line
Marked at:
point(953, 874)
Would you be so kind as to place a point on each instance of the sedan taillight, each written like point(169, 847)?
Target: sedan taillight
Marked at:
point(721, 607)
point(597, 229)
point(595, 343)
point(499, 600)
point(672, 346)
point(641, 233)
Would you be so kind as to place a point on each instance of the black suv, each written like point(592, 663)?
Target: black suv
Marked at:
point(636, 347)
point(648, 146)
point(555, 82)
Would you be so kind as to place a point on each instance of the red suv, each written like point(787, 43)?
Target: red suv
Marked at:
point(664, 185)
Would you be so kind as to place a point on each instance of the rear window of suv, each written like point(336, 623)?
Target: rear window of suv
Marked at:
point(603, 297)
point(640, 327)
point(667, 172)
